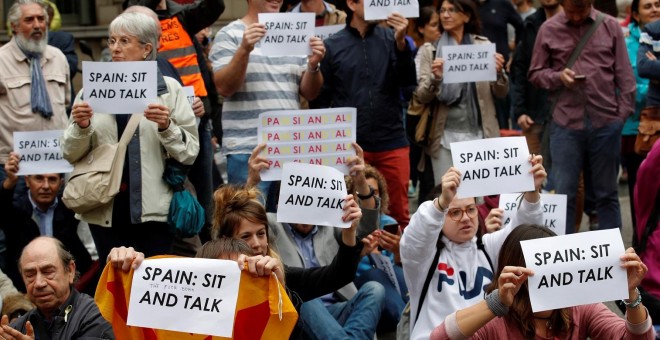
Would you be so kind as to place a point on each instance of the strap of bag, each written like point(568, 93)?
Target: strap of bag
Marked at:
point(427, 282)
point(131, 126)
point(576, 52)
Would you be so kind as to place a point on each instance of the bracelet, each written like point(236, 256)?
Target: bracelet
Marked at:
point(495, 304)
point(315, 69)
point(367, 196)
point(634, 304)
point(440, 207)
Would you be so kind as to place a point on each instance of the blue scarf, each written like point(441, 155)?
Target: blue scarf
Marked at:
point(38, 93)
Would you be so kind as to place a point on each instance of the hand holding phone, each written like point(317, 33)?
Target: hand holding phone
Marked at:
point(392, 228)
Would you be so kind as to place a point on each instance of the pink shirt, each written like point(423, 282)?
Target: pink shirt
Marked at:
point(594, 321)
point(604, 61)
point(646, 189)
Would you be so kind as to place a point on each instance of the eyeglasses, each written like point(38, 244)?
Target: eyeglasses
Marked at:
point(457, 213)
point(450, 10)
point(123, 42)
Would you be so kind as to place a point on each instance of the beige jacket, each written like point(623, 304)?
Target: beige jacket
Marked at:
point(179, 141)
point(15, 106)
point(428, 89)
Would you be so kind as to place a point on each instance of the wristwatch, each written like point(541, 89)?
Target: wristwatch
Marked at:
point(367, 196)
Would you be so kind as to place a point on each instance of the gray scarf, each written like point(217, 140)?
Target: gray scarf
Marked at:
point(452, 94)
point(38, 93)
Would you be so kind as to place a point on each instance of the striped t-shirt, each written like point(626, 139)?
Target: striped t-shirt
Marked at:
point(271, 83)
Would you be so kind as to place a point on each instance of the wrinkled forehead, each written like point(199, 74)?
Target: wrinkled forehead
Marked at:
point(31, 11)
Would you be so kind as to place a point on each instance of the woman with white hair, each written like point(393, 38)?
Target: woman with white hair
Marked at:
point(138, 214)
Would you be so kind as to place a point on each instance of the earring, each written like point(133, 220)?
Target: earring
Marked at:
point(144, 56)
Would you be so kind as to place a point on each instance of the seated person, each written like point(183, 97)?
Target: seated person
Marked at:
point(49, 272)
point(348, 312)
point(506, 312)
point(382, 262)
point(446, 262)
point(39, 212)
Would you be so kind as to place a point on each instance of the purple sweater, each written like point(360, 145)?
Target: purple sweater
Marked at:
point(595, 321)
point(646, 188)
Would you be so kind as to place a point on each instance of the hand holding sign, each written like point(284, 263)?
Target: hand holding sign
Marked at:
point(494, 220)
point(159, 114)
point(400, 24)
point(635, 269)
point(510, 281)
point(259, 265)
point(499, 62)
point(11, 169)
point(252, 34)
point(125, 258)
point(82, 114)
point(436, 68)
point(318, 52)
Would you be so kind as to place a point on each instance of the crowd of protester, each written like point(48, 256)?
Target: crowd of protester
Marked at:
point(388, 273)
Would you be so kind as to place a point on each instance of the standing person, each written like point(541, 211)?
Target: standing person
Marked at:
point(465, 111)
point(61, 313)
point(31, 98)
point(366, 66)
point(138, 214)
point(642, 12)
point(237, 61)
point(179, 25)
point(495, 15)
point(530, 105)
point(326, 13)
point(447, 228)
point(593, 98)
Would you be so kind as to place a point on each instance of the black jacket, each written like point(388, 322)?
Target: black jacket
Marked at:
point(528, 99)
point(494, 16)
point(20, 229)
point(83, 321)
point(367, 74)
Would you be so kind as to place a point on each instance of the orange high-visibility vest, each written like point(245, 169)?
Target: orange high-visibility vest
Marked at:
point(176, 46)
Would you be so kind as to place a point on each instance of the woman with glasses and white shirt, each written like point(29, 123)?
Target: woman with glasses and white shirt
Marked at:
point(137, 216)
point(448, 226)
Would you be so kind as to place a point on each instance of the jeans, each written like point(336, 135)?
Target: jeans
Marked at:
point(396, 299)
point(200, 173)
point(353, 319)
point(570, 149)
point(237, 173)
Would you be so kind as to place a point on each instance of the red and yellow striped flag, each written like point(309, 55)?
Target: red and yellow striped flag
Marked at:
point(257, 309)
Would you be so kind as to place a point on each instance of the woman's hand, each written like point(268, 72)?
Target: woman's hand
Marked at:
point(356, 166)
point(159, 114)
point(510, 281)
point(436, 68)
point(256, 163)
point(261, 266)
point(636, 270)
point(82, 114)
point(499, 62)
point(494, 220)
point(450, 182)
point(538, 171)
point(125, 258)
point(370, 243)
point(352, 213)
point(390, 242)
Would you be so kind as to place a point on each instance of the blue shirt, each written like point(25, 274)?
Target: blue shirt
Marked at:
point(44, 219)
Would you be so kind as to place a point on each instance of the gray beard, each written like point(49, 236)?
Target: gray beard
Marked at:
point(30, 45)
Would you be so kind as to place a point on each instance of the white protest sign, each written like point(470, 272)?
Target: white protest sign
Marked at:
point(381, 9)
point(575, 269)
point(554, 210)
point(203, 290)
point(492, 166)
point(321, 137)
point(312, 194)
point(468, 63)
point(287, 33)
point(325, 32)
point(119, 87)
point(189, 92)
point(40, 152)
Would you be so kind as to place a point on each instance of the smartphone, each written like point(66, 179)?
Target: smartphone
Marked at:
point(580, 77)
point(391, 228)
